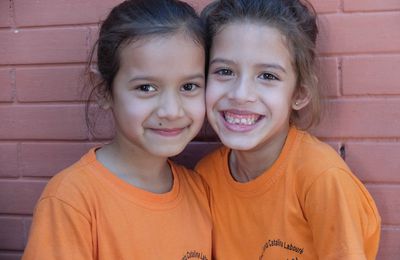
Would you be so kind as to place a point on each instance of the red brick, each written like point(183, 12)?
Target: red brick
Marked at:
point(389, 245)
point(11, 233)
point(43, 45)
point(373, 161)
point(93, 36)
point(360, 117)
point(371, 5)
point(5, 85)
point(57, 157)
point(328, 76)
point(19, 197)
point(194, 152)
point(387, 198)
point(43, 122)
point(9, 160)
point(359, 33)
point(50, 83)
point(10, 256)
point(5, 13)
point(325, 6)
point(371, 75)
point(50, 12)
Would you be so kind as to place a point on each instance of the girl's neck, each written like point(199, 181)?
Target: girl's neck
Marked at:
point(133, 165)
point(250, 164)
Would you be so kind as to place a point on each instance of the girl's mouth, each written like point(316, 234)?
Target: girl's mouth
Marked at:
point(241, 118)
point(168, 132)
point(240, 121)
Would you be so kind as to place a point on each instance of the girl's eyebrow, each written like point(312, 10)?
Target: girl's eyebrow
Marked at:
point(272, 65)
point(263, 65)
point(196, 76)
point(141, 78)
point(150, 78)
point(220, 60)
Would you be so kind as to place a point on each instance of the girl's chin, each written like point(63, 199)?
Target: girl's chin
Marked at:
point(238, 143)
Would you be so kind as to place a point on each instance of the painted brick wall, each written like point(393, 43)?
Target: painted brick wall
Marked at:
point(43, 48)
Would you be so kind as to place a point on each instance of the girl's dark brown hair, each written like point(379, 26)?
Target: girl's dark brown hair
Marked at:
point(295, 19)
point(128, 22)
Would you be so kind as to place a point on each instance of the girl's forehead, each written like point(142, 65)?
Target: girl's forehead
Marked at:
point(160, 55)
point(236, 30)
point(160, 39)
point(247, 33)
point(249, 44)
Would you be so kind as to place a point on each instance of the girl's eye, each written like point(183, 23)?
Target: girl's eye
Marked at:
point(268, 76)
point(189, 87)
point(224, 72)
point(146, 88)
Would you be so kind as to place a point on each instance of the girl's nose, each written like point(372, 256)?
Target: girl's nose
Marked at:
point(170, 106)
point(243, 91)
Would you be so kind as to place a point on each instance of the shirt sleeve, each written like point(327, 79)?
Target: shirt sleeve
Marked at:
point(339, 212)
point(58, 231)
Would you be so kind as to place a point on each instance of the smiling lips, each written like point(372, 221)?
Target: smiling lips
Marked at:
point(169, 132)
point(240, 121)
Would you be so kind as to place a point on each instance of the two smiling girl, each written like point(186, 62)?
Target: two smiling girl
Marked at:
point(272, 192)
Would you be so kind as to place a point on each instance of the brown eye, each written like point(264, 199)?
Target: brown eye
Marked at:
point(189, 87)
point(146, 88)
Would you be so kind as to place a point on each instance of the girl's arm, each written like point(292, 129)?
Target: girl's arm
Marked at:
point(59, 231)
point(343, 217)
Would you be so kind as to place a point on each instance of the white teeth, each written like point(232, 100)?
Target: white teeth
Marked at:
point(248, 120)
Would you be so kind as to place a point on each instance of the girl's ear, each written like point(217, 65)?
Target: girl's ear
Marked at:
point(301, 98)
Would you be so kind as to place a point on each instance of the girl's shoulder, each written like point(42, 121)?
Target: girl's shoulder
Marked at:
point(73, 182)
point(311, 151)
point(312, 159)
point(190, 181)
point(317, 163)
point(186, 176)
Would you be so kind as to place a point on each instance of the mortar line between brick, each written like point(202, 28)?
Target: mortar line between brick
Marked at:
point(390, 227)
point(341, 6)
point(88, 37)
point(57, 26)
point(13, 85)
point(340, 75)
point(25, 227)
point(11, 252)
point(19, 162)
point(13, 22)
point(377, 11)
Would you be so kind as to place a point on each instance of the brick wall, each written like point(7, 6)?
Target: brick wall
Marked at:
point(43, 48)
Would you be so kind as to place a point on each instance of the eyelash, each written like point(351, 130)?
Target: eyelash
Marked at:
point(195, 86)
point(224, 72)
point(269, 76)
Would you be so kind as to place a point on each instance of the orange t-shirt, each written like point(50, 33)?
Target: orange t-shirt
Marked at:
point(308, 205)
point(86, 212)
